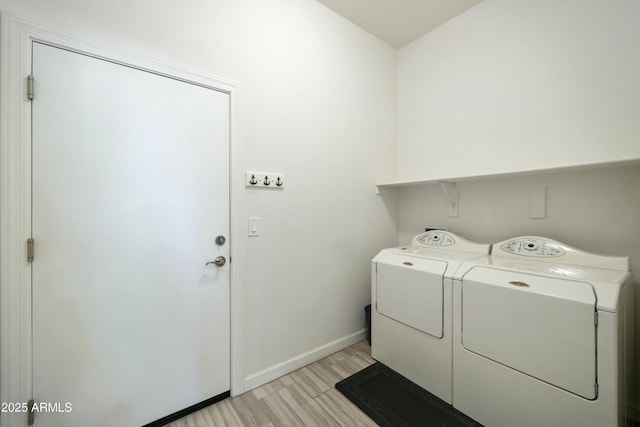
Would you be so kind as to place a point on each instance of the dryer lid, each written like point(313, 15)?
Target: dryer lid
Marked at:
point(560, 288)
point(607, 284)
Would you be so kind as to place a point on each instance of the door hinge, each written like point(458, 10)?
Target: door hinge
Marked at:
point(30, 88)
point(595, 318)
point(30, 414)
point(30, 249)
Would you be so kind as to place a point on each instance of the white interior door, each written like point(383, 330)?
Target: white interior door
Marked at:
point(130, 189)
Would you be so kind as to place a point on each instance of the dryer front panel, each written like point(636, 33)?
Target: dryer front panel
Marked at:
point(544, 327)
point(410, 290)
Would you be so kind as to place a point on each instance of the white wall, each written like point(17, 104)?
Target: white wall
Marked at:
point(524, 85)
point(318, 105)
point(520, 85)
point(505, 86)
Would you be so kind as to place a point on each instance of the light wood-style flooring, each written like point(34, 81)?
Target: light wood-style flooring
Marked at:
point(305, 398)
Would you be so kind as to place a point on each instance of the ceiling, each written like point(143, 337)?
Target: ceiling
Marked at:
point(399, 22)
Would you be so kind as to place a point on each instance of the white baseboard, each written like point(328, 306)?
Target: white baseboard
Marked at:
point(276, 371)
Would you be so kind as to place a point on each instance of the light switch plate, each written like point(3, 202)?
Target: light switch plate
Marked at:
point(253, 227)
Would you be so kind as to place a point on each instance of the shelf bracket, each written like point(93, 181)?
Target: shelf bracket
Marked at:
point(451, 193)
point(383, 191)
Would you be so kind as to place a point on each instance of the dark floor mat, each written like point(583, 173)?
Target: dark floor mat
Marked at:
point(391, 400)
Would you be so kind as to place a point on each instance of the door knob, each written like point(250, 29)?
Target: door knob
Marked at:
point(219, 261)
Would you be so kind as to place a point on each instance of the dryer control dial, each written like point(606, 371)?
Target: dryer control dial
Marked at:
point(533, 248)
point(544, 249)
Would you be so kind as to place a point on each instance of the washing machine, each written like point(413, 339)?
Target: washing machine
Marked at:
point(411, 312)
point(543, 337)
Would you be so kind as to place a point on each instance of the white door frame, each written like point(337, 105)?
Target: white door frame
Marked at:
point(16, 38)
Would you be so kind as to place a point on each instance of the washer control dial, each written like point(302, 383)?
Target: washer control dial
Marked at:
point(533, 248)
point(436, 238)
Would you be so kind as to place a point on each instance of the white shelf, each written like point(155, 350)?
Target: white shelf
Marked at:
point(451, 180)
point(538, 203)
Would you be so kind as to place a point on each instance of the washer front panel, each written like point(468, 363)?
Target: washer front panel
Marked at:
point(410, 291)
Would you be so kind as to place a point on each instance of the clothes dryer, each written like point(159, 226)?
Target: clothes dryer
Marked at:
point(543, 337)
point(412, 307)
